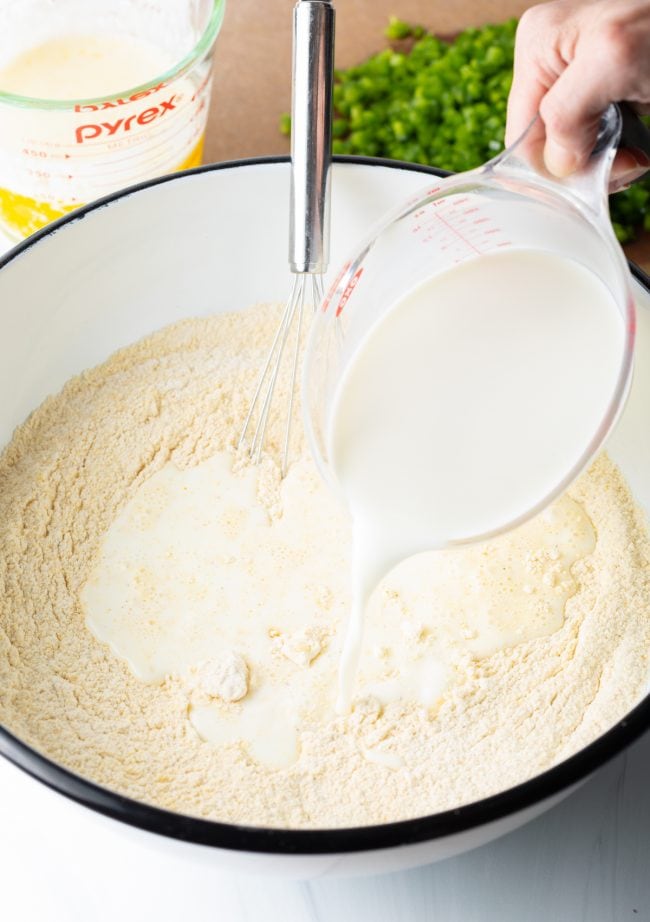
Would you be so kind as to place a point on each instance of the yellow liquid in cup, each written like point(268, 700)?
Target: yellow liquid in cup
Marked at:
point(21, 215)
point(87, 67)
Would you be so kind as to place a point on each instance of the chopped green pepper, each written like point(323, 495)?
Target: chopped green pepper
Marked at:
point(443, 103)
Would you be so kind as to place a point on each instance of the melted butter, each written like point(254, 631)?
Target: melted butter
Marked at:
point(83, 66)
point(193, 567)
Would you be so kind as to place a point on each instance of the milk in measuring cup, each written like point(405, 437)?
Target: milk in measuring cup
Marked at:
point(52, 161)
point(465, 407)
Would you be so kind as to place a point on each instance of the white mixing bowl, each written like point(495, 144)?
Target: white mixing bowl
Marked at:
point(215, 239)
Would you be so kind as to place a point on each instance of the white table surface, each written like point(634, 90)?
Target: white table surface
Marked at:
point(587, 860)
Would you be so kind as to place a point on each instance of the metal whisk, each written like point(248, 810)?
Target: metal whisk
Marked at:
point(311, 144)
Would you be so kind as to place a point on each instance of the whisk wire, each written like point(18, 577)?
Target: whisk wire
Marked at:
point(292, 386)
point(311, 149)
point(265, 369)
point(276, 361)
point(267, 380)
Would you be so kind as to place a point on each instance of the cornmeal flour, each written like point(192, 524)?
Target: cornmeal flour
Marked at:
point(178, 398)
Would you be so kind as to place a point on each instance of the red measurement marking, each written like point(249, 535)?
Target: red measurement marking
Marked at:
point(349, 288)
point(458, 234)
point(494, 230)
point(480, 221)
point(201, 87)
point(460, 201)
point(334, 286)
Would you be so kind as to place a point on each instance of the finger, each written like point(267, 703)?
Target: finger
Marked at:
point(525, 97)
point(537, 66)
point(529, 86)
point(629, 165)
point(571, 112)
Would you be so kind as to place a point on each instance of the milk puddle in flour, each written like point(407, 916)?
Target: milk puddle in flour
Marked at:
point(465, 407)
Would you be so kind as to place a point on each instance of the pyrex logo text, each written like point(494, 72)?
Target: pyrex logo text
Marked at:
point(96, 129)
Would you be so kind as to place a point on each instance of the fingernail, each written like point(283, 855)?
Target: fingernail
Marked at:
point(630, 160)
point(624, 180)
point(560, 161)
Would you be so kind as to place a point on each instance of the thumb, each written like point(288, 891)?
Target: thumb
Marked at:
point(571, 112)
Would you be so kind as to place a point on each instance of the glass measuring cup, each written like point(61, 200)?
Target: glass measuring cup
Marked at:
point(506, 205)
point(68, 146)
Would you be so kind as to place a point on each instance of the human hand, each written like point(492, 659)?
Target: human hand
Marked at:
point(572, 59)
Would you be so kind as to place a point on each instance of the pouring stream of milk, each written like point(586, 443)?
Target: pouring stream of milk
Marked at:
point(465, 407)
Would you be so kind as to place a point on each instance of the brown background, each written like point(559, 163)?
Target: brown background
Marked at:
point(252, 83)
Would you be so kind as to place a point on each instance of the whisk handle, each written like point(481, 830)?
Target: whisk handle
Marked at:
point(311, 135)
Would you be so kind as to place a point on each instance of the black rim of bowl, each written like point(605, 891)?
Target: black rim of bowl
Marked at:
point(318, 841)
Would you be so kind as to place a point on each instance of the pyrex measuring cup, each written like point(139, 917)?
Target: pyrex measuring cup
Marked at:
point(503, 206)
point(69, 146)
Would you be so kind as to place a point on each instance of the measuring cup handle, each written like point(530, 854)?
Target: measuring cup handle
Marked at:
point(620, 126)
point(635, 135)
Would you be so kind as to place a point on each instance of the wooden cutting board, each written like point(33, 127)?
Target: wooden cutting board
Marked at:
point(252, 84)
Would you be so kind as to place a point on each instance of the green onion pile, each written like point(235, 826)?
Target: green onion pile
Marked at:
point(443, 103)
